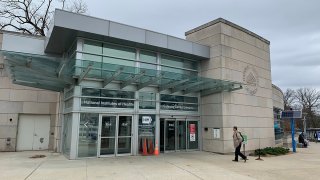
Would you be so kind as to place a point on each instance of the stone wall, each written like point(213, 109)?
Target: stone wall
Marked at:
point(16, 100)
point(277, 97)
point(236, 54)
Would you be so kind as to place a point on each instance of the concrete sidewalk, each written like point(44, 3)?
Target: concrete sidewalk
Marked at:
point(304, 164)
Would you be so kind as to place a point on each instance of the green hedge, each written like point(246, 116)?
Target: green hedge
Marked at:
point(272, 151)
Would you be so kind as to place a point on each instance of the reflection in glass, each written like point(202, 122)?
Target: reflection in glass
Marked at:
point(108, 126)
point(107, 146)
point(182, 135)
point(147, 127)
point(193, 135)
point(170, 135)
point(88, 134)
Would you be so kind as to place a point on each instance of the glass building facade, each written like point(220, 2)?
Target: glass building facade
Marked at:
point(128, 121)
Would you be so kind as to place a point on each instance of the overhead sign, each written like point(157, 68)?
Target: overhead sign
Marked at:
point(291, 114)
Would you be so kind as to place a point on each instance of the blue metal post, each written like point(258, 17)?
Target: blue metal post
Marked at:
point(292, 134)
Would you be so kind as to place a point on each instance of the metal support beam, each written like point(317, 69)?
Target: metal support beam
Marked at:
point(172, 84)
point(149, 82)
point(132, 79)
point(84, 73)
point(106, 81)
point(186, 86)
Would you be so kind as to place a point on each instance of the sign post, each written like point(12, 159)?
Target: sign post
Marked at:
point(292, 115)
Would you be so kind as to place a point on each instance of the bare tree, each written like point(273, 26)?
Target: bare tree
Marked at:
point(32, 16)
point(309, 99)
point(289, 98)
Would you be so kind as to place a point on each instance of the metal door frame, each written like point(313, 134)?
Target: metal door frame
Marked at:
point(186, 120)
point(116, 136)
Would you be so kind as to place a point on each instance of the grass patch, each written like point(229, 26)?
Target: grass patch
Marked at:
point(276, 151)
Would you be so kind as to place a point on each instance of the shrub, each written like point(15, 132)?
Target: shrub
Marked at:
point(272, 151)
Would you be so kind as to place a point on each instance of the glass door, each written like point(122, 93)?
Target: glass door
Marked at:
point(124, 135)
point(115, 134)
point(182, 145)
point(107, 135)
point(193, 135)
point(170, 136)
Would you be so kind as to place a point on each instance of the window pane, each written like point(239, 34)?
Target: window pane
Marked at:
point(147, 96)
point(92, 47)
point(117, 94)
point(110, 60)
point(67, 129)
point(119, 51)
point(90, 92)
point(147, 105)
point(148, 66)
point(147, 56)
point(147, 127)
point(88, 135)
point(178, 62)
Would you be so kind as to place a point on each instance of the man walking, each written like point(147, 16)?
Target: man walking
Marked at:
point(237, 143)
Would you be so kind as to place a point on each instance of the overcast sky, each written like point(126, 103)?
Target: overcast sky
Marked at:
point(292, 27)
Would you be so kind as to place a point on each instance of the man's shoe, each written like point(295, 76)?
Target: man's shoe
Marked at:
point(235, 160)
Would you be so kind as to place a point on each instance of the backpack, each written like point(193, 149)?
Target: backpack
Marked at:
point(241, 136)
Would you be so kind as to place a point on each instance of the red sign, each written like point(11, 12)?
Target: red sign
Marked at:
point(192, 128)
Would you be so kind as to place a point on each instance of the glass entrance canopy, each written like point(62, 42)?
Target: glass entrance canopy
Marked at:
point(52, 73)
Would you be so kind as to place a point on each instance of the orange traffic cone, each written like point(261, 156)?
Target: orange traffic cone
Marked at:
point(150, 150)
point(144, 148)
point(156, 150)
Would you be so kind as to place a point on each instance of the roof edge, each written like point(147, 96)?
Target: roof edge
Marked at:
point(221, 20)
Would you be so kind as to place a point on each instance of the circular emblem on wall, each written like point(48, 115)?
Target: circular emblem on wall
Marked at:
point(250, 80)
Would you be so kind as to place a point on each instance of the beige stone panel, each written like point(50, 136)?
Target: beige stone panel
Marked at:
point(211, 40)
point(36, 108)
point(5, 147)
point(212, 73)
point(243, 36)
point(262, 45)
point(23, 95)
point(5, 83)
point(216, 51)
point(12, 119)
point(3, 119)
point(212, 121)
point(231, 75)
point(204, 33)
point(212, 63)
point(54, 108)
point(238, 65)
point(265, 83)
point(10, 107)
point(212, 98)
point(242, 110)
point(236, 98)
point(47, 96)
point(228, 147)
point(249, 59)
point(8, 131)
point(53, 120)
point(212, 145)
point(246, 121)
point(211, 109)
point(261, 92)
point(4, 94)
point(245, 47)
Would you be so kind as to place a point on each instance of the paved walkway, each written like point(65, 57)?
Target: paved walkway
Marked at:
point(304, 164)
